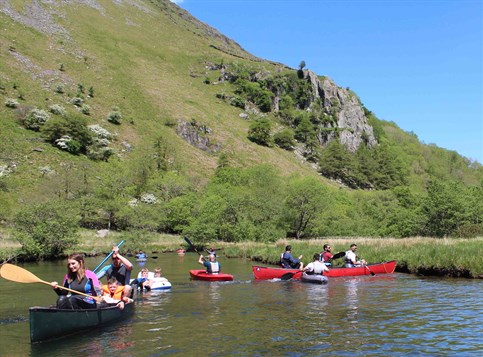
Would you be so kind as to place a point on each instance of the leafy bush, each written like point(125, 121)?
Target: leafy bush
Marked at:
point(57, 109)
point(259, 132)
point(46, 230)
point(69, 133)
point(86, 109)
point(77, 101)
point(114, 117)
point(36, 119)
point(285, 139)
point(11, 103)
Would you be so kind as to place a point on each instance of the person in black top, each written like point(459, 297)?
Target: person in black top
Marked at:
point(121, 270)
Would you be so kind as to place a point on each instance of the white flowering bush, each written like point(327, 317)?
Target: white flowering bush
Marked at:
point(57, 109)
point(133, 203)
point(77, 101)
point(4, 170)
point(148, 198)
point(99, 153)
point(67, 143)
point(11, 103)
point(114, 117)
point(86, 109)
point(36, 118)
point(99, 131)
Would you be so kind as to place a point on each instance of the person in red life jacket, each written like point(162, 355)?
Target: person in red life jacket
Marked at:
point(212, 265)
point(113, 294)
point(80, 279)
point(326, 255)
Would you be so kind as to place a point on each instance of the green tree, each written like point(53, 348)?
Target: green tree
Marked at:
point(443, 208)
point(285, 139)
point(73, 126)
point(260, 132)
point(305, 129)
point(306, 199)
point(46, 230)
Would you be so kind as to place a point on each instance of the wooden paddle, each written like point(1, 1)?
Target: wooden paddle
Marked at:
point(14, 273)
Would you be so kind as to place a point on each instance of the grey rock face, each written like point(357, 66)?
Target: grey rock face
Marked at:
point(351, 122)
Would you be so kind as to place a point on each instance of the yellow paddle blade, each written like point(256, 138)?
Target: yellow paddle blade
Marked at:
point(20, 275)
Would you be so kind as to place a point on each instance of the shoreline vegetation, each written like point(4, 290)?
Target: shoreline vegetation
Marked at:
point(440, 257)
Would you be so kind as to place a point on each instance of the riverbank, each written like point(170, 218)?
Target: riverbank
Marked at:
point(443, 257)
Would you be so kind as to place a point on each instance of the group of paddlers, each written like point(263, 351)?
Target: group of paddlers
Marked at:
point(321, 261)
point(117, 291)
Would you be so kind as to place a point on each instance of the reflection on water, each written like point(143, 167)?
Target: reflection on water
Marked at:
point(397, 315)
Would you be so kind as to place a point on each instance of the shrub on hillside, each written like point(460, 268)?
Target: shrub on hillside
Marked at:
point(86, 109)
point(11, 103)
point(46, 230)
point(57, 109)
point(285, 139)
point(36, 119)
point(114, 117)
point(77, 101)
point(259, 132)
point(69, 133)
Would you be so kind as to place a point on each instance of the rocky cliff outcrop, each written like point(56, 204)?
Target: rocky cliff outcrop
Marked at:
point(351, 125)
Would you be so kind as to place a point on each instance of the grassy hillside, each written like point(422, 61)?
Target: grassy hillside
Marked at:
point(149, 61)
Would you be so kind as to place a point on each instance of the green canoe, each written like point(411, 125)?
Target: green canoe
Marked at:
point(48, 323)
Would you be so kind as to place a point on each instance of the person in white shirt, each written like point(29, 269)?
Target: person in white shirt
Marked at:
point(351, 260)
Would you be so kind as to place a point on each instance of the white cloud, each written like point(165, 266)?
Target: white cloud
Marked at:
point(177, 1)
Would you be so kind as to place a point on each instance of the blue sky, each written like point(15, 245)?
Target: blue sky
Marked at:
point(418, 63)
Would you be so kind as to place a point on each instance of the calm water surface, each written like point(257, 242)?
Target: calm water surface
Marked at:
point(385, 315)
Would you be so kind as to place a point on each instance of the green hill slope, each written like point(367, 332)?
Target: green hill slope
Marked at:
point(152, 76)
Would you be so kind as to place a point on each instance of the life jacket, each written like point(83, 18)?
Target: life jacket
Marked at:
point(288, 261)
point(117, 294)
point(214, 267)
point(346, 259)
point(318, 268)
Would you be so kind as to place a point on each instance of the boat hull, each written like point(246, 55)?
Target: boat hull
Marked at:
point(267, 273)
point(164, 285)
point(49, 323)
point(203, 275)
point(314, 278)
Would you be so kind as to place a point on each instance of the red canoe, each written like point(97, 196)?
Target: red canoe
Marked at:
point(266, 273)
point(203, 275)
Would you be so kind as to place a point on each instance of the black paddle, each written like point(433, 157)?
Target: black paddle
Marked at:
point(288, 276)
point(338, 255)
point(370, 271)
point(191, 244)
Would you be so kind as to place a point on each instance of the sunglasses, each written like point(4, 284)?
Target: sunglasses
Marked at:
point(116, 258)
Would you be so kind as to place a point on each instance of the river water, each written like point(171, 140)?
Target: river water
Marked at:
point(382, 315)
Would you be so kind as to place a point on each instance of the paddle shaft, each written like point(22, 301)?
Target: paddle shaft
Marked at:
point(20, 275)
point(72, 291)
point(191, 244)
point(108, 256)
point(370, 271)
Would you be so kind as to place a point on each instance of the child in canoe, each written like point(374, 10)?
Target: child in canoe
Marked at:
point(113, 294)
